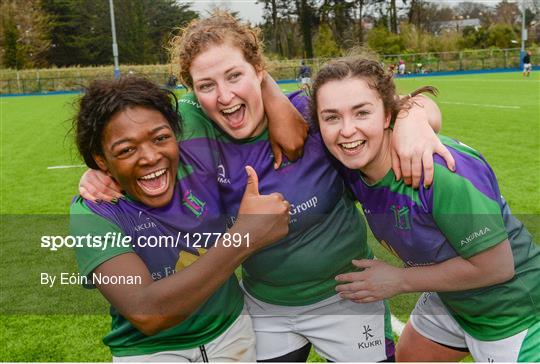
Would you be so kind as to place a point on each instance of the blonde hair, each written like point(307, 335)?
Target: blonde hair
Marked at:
point(219, 28)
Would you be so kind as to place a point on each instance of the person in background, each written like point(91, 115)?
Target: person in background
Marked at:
point(304, 75)
point(401, 67)
point(171, 82)
point(527, 65)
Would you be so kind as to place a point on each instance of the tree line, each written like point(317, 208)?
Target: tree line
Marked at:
point(45, 33)
point(326, 28)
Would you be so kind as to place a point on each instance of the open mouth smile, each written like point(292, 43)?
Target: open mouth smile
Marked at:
point(352, 148)
point(155, 183)
point(235, 115)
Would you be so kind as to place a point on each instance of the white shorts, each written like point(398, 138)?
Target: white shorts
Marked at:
point(236, 344)
point(305, 81)
point(527, 67)
point(340, 330)
point(433, 321)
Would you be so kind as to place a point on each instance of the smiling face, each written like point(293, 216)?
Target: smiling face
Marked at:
point(141, 154)
point(229, 90)
point(352, 121)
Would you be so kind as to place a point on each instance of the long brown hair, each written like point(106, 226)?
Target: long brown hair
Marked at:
point(377, 78)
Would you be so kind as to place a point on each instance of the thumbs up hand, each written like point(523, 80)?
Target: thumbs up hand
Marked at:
point(252, 187)
point(264, 217)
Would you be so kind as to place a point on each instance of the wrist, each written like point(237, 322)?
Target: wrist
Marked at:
point(245, 248)
point(407, 280)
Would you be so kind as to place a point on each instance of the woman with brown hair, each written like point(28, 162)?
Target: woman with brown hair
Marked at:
point(477, 264)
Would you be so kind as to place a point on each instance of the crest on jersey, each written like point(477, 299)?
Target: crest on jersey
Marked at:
point(193, 203)
point(402, 219)
point(222, 178)
point(185, 258)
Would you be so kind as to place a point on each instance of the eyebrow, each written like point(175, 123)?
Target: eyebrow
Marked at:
point(153, 131)
point(202, 79)
point(357, 106)
point(230, 69)
point(210, 78)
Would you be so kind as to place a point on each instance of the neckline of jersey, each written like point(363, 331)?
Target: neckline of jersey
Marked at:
point(385, 181)
point(262, 136)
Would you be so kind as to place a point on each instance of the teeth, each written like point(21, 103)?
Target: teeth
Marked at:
point(231, 109)
point(352, 144)
point(154, 174)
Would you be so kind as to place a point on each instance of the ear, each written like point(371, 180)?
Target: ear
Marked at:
point(260, 73)
point(387, 121)
point(102, 164)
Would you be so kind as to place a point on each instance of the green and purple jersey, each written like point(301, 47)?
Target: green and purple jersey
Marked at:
point(194, 212)
point(461, 214)
point(326, 230)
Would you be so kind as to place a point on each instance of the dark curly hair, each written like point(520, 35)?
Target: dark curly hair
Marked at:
point(373, 72)
point(105, 98)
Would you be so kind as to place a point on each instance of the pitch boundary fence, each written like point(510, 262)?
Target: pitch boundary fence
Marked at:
point(74, 79)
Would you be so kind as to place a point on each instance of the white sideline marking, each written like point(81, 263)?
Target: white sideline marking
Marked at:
point(63, 167)
point(484, 80)
point(484, 105)
point(397, 325)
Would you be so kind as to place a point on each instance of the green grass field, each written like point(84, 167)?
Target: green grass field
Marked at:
point(497, 114)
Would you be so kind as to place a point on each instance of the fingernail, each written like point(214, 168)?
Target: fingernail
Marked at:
point(114, 201)
point(426, 187)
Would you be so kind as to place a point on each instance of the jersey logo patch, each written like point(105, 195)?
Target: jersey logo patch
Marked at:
point(402, 219)
point(474, 235)
point(221, 175)
point(193, 203)
point(368, 343)
point(367, 332)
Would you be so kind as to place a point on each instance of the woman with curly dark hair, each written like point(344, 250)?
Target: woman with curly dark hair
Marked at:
point(172, 298)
